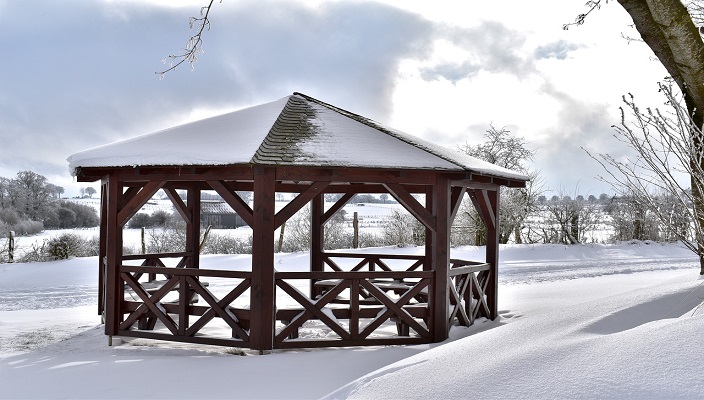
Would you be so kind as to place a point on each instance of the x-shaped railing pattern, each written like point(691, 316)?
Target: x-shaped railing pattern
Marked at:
point(390, 308)
point(187, 286)
point(467, 289)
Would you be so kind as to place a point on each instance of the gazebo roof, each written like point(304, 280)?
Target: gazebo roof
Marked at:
point(296, 130)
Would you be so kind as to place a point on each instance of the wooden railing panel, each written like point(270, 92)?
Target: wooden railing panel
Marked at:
point(186, 282)
point(380, 307)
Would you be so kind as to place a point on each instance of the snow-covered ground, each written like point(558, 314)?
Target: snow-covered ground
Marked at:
point(588, 321)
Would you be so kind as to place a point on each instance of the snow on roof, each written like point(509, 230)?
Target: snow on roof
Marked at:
point(294, 130)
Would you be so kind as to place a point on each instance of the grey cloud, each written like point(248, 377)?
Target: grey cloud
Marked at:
point(451, 72)
point(80, 74)
point(580, 125)
point(559, 50)
point(494, 47)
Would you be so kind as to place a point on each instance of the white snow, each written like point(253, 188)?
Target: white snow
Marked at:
point(586, 321)
point(233, 139)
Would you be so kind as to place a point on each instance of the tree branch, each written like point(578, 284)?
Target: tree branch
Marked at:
point(194, 45)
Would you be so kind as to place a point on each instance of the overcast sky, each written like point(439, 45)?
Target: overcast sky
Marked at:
point(78, 74)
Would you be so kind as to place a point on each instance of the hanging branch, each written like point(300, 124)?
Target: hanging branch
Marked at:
point(194, 46)
point(591, 5)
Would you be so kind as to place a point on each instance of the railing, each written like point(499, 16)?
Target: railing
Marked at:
point(467, 289)
point(372, 261)
point(146, 303)
point(380, 308)
point(367, 299)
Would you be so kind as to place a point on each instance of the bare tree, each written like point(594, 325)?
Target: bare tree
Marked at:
point(505, 150)
point(665, 177)
point(668, 28)
point(567, 220)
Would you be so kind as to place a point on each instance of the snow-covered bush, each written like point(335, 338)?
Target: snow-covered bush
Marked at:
point(223, 244)
point(70, 245)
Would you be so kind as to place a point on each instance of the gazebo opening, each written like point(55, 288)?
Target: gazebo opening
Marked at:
point(304, 147)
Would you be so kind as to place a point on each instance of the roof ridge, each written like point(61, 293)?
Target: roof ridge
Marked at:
point(290, 126)
point(384, 129)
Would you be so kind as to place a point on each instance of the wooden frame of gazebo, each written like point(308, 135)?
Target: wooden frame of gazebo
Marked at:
point(424, 298)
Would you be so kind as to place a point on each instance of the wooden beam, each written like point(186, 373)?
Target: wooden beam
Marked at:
point(263, 287)
point(337, 206)
point(301, 200)
point(484, 207)
point(456, 201)
point(178, 204)
point(412, 205)
point(356, 175)
point(138, 201)
point(235, 201)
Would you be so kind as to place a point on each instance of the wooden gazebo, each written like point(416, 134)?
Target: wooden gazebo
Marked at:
point(298, 145)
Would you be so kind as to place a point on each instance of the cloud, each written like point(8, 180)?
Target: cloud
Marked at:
point(559, 50)
point(83, 75)
point(490, 47)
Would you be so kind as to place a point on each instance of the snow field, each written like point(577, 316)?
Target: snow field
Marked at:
point(586, 321)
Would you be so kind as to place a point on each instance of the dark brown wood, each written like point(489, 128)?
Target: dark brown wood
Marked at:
point(337, 206)
point(234, 201)
point(317, 238)
point(485, 208)
point(441, 257)
point(193, 228)
point(102, 250)
point(113, 286)
point(263, 285)
point(385, 289)
point(301, 200)
point(492, 252)
point(135, 203)
point(456, 201)
point(412, 205)
point(180, 206)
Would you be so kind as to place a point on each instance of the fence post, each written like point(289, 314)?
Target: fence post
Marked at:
point(11, 247)
point(355, 226)
point(144, 243)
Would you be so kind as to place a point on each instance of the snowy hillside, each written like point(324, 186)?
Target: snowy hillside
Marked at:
point(589, 321)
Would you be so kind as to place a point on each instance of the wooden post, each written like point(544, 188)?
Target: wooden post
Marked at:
point(102, 251)
point(492, 254)
point(317, 208)
point(263, 289)
point(441, 256)
point(11, 247)
point(113, 287)
point(144, 243)
point(355, 227)
point(193, 226)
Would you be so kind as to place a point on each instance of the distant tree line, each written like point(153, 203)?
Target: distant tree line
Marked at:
point(29, 204)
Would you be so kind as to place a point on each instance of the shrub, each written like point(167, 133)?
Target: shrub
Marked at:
point(223, 244)
point(139, 220)
point(22, 228)
point(67, 215)
point(70, 245)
